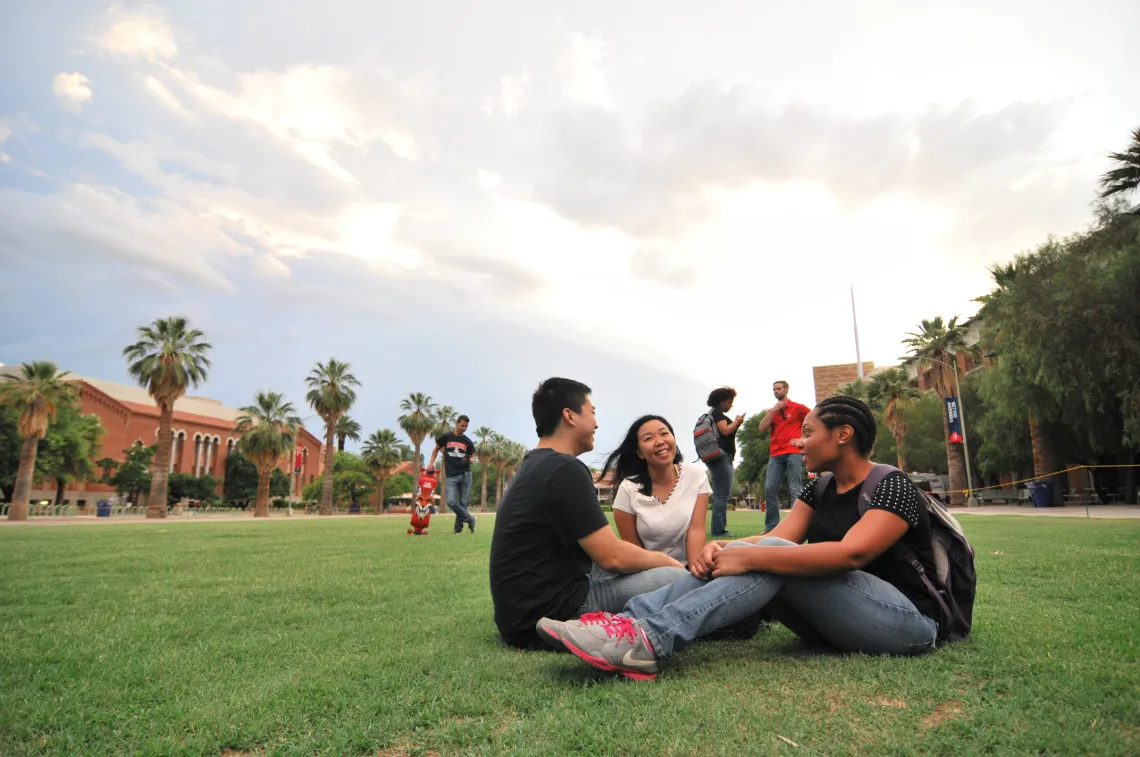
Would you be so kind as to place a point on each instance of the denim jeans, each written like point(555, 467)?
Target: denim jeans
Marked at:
point(854, 611)
point(722, 474)
point(609, 592)
point(458, 497)
point(793, 466)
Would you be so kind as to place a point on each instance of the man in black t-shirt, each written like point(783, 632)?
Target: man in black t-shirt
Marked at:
point(553, 553)
point(458, 450)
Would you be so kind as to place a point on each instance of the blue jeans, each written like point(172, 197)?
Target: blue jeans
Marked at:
point(609, 592)
point(458, 497)
point(854, 611)
point(778, 466)
point(722, 474)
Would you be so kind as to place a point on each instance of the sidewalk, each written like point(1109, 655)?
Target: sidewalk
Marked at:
point(91, 520)
point(1069, 511)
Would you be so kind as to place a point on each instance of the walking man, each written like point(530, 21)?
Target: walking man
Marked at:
point(786, 420)
point(458, 450)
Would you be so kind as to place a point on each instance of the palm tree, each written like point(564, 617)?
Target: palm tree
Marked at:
point(169, 357)
point(1126, 175)
point(444, 418)
point(893, 391)
point(483, 436)
point(269, 431)
point(382, 453)
point(417, 420)
point(515, 454)
point(936, 345)
point(35, 392)
point(331, 395)
point(346, 428)
point(860, 389)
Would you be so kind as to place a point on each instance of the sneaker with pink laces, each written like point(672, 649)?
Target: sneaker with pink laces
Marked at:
point(618, 646)
point(550, 631)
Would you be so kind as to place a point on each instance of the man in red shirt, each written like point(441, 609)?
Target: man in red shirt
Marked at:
point(786, 419)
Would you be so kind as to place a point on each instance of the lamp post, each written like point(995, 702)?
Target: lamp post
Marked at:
point(971, 500)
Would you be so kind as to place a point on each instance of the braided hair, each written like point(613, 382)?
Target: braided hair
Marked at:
point(848, 411)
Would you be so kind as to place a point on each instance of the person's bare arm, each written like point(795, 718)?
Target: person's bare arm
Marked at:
point(695, 538)
point(728, 429)
point(431, 462)
point(627, 527)
point(616, 556)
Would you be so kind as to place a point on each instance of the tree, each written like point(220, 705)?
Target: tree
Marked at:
point(106, 465)
point(10, 447)
point(1125, 177)
point(860, 389)
point(444, 418)
point(269, 431)
point(331, 394)
point(133, 477)
point(892, 391)
point(936, 345)
point(241, 479)
point(279, 484)
point(346, 428)
point(353, 481)
point(188, 486)
point(382, 454)
point(168, 358)
point(483, 436)
point(35, 392)
point(417, 421)
point(66, 451)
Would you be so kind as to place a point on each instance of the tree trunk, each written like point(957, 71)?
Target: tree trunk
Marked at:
point(340, 442)
point(483, 496)
point(327, 484)
point(60, 489)
point(499, 489)
point(900, 439)
point(23, 490)
point(156, 500)
point(261, 505)
point(955, 463)
point(1044, 459)
point(379, 504)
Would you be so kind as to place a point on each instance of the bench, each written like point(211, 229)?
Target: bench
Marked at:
point(990, 496)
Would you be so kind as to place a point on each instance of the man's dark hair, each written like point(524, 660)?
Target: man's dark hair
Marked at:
point(462, 418)
point(723, 394)
point(552, 397)
point(781, 381)
point(848, 411)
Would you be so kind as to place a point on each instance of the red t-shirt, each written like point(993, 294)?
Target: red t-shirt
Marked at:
point(784, 430)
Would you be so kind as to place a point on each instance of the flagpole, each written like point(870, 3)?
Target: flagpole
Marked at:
point(855, 321)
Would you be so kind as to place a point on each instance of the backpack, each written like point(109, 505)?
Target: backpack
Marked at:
point(706, 438)
point(955, 581)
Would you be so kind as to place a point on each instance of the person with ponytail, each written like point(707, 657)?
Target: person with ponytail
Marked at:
point(826, 572)
point(661, 501)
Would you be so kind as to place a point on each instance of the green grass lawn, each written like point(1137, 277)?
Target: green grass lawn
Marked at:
point(347, 637)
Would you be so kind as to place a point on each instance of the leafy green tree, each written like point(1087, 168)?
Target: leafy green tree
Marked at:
point(133, 477)
point(890, 393)
point(1125, 176)
point(279, 484)
point(188, 486)
point(399, 485)
point(382, 454)
point(9, 451)
point(331, 393)
point(241, 479)
point(417, 421)
point(66, 451)
point(168, 358)
point(353, 482)
point(268, 431)
point(346, 429)
point(35, 392)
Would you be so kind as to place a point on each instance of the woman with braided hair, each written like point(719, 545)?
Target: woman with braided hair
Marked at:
point(828, 571)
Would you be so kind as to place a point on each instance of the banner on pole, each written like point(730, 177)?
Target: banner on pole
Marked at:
point(954, 419)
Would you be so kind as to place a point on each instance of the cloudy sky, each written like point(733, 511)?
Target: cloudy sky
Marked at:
point(463, 198)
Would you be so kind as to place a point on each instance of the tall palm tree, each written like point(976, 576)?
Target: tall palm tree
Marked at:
point(269, 431)
point(382, 453)
point(331, 394)
point(346, 428)
point(1125, 177)
point(483, 436)
point(893, 391)
point(444, 418)
point(417, 421)
point(860, 389)
point(169, 357)
point(35, 392)
point(936, 345)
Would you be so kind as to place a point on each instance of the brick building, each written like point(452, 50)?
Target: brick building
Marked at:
point(828, 378)
point(203, 436)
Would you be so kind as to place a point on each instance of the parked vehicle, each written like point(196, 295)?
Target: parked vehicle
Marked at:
point(932, 483)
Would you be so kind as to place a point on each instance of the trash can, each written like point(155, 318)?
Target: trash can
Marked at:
point(354, 508)
point(1042, 493)
point(103, 508)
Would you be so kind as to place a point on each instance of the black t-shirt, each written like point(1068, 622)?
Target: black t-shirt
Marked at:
point(538, 568)
point(835, 514)
point(727, 441)
point(456, 449)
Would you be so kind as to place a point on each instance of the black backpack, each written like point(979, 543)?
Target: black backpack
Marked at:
point(955, 581)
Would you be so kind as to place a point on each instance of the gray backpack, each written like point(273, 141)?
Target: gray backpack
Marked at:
point(706, 438)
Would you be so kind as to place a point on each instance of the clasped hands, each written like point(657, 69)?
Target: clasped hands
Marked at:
point(715, 561)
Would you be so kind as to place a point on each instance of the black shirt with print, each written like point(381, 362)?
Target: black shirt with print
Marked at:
point(836, 513)
point(727, 441)
point(457, 450)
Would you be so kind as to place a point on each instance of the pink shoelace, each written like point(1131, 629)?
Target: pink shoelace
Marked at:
point(596, 618)
point(621, 626)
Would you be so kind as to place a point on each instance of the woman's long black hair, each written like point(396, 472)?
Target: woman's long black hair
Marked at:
point(625, 461)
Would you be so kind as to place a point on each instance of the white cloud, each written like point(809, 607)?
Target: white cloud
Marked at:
point(17, 126)
point(488, 180)
point(72, 91)
point(272, 266)
point(513, 93)
point(583, 68)
point(5, 157)
point(139, 34)
point(165, 96)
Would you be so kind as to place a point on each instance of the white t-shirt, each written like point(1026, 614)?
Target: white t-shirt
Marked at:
point(662, 525)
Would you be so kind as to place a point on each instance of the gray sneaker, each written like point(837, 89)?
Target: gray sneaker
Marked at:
point(550, 631)
point(618, 646)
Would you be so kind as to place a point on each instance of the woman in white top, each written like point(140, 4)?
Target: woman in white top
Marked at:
point(661, 501)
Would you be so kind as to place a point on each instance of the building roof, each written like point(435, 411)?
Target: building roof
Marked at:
point(200, 409)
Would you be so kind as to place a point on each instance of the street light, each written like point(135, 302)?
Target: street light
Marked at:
point(971, 500)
